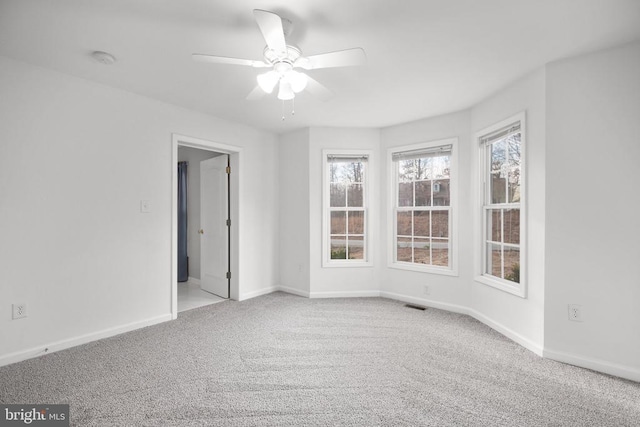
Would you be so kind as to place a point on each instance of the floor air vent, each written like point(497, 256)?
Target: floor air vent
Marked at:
point(415, 307)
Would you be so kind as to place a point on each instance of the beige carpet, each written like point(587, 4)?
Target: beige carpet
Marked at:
point(283, 360)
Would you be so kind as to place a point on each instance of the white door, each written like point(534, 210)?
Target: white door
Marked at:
point(214, 232)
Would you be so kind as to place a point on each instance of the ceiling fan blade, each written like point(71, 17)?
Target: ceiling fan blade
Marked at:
point(271, 27)
point(318, 90)
point(341, 58)
point(256, 93)
point(230, 61)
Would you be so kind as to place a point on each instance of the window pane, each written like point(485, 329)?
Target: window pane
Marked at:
point(512, 226)
point(512, 264)
point(441, 167)
point(356, 247)
point(333, 172)
point(441, 196)
point(423, 193)
point(338, 247)
point(405, 194)
point(337, 195)
point(513, 145)
point(356, 222)
point(421, 223)
point(338, 222)
point(494, 225)
point(355, 172)
point(498, 184)
point(404, 249)
point(423, 168)
point(439, 224)
point(498, 153)
point(338, 172)
point(421, 253)
point(498, 168)
point(346, 208)
point(440, 252)
point(422, 184)
point(404, 223)
point(406, 170)
point(494, 260)
point(355, 195)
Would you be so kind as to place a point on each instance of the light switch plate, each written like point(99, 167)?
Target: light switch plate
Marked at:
point(145, 206)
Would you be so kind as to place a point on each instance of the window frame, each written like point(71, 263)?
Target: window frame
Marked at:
point(392, 173)
point(368, 201)
point(483, 192)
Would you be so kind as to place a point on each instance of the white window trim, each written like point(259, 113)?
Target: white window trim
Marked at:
point(370, 201)
point(452, 270)
point(518, 289)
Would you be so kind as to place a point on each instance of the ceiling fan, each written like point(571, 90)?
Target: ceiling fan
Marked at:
point(284, 58)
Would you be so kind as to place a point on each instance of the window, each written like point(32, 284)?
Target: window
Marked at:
point(422, 199)
point(502, 171)
point(346, 217)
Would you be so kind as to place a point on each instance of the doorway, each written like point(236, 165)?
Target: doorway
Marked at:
point(212, 207)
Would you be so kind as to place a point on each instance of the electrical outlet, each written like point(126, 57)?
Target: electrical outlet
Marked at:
point(19, 310)
point(575, 312)
point(426, 290)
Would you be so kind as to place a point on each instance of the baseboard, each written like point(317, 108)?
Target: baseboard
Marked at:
point(270, 289)
point(507, 332)
point(79, 340)
point(264, 291)
point(344, 294)
point(425, 302)
point(525, 342)
point(599, 365)
point(293, 291)
point(193, 281)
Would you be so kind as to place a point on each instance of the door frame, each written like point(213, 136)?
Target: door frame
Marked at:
point(178, 140)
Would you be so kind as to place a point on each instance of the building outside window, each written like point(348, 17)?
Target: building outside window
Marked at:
point(422, 214)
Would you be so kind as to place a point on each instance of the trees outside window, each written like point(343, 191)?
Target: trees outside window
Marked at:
point(422, 213)
point(346, 200)
point(502, 172)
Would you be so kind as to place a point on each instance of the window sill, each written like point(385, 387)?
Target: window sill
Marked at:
point(347, 264)
point(515, 289)
point(444, 271)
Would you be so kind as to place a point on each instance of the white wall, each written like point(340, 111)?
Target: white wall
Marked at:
point(592, 229)
point(76, 158)
point(341, 281)
point(520, 319)
point(444, 291)
point(193, 156)
point(294, 212)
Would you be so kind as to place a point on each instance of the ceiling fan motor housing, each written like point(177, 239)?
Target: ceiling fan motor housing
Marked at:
point(273, 57)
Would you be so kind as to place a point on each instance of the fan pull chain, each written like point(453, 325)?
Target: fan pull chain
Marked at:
point(293, 106)
point(283, 110)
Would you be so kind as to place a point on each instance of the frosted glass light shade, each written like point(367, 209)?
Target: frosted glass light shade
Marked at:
point(297, 80)
point(286, 92)
point(268, 81)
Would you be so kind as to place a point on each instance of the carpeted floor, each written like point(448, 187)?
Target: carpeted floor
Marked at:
point(283, 360)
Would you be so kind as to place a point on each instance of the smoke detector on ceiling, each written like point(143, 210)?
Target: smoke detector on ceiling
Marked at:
point(103, 57)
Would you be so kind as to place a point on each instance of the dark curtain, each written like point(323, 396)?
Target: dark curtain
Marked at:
point(183, 259)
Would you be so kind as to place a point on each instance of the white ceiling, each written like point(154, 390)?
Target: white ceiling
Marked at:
point(425, 57)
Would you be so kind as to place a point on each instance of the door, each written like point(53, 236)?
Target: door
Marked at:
point(214, 231)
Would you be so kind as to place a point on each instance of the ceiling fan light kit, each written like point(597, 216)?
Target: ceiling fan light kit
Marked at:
point(282, 58)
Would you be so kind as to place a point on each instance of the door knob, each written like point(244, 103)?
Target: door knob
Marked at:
point(201, 231)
